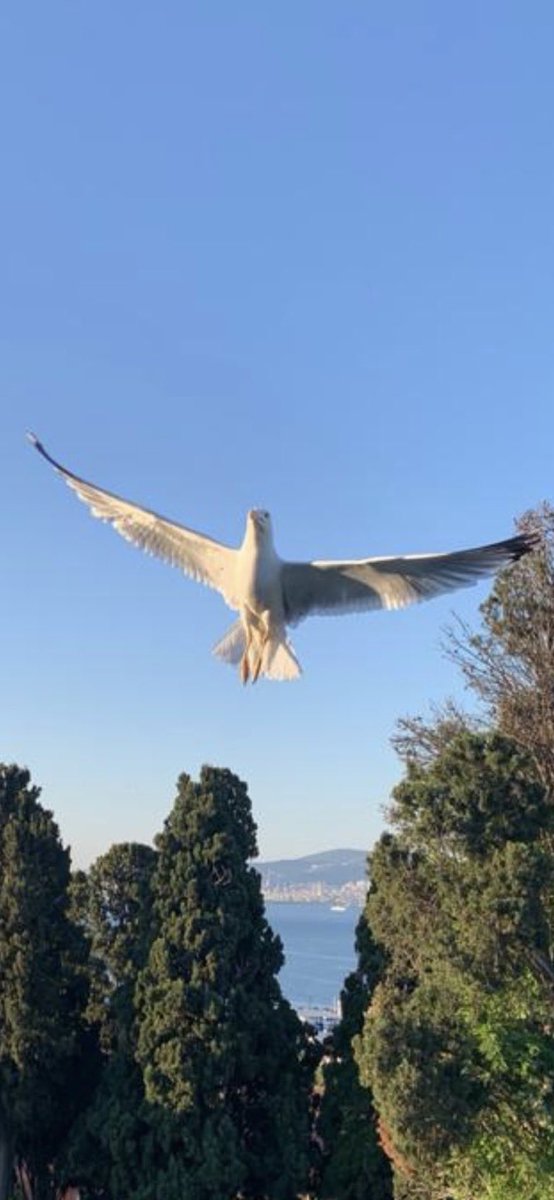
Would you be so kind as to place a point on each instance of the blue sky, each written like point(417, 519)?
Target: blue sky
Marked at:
point(300, 256)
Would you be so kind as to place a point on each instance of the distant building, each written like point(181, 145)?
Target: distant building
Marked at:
point(346, 896)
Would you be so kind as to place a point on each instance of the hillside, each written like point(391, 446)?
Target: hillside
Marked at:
point(332, 875)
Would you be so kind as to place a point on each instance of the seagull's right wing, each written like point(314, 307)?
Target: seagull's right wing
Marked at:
point(199, 556)
point(341, 587)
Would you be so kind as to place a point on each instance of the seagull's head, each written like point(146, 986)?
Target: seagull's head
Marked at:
point(259, 521)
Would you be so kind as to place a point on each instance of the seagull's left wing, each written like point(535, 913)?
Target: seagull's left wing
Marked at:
point(328, 588)
point(199, 556)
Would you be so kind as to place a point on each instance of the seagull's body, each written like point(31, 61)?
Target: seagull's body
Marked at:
point(262, 627)
point(271, 594)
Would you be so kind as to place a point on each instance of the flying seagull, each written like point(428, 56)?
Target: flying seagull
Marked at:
point(270, 593)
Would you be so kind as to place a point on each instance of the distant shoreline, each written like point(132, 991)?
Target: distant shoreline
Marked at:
point(351, 895)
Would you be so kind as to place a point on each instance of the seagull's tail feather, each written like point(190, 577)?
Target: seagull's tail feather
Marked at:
point(232, 645)
point(279, 660)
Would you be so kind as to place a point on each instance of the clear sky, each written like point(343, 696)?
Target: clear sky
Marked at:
point(299, 256)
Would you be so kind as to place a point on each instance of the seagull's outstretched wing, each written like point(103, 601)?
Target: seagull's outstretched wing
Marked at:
point(206, 560)
point(342, 587)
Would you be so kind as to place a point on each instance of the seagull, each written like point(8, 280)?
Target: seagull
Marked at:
point(271, 594)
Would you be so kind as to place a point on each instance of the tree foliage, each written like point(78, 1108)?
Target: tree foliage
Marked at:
point(509, 662)
point(112, 1147)
point(113, 905)
point(41, 990)
point(218, 1045)
point(461, 904)
point(153, 977)
point(354, 1166)
point(456, 1039)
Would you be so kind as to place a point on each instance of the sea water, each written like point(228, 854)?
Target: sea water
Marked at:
point(319, 950)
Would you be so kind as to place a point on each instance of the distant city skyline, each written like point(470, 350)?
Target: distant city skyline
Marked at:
point(298, 257)
point(325, 877)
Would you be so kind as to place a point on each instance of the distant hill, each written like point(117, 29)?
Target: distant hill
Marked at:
point(333, 868)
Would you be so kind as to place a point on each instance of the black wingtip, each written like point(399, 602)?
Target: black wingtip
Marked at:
point(36, 442)
point(524, 543)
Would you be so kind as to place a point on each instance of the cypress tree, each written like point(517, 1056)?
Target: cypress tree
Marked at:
point(40, 992)
point(113, 905)
point(355, 1166)
point(220, 1048)
point(113, 1144)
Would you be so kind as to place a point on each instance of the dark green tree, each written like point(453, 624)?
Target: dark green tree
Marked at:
point(220, 1048)
point(41, 990)
point(456, 1041)
point(113, 1144)
point(113, 905)
point(355, 1166)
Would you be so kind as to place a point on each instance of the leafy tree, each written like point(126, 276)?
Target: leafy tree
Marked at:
point(419, 741)
point(41, 991)
point(220, 1048)
point(463, 903)
point(480, 792)
point(456, 1039)
point(509, 663)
